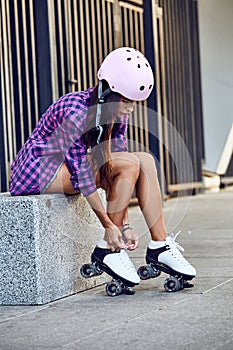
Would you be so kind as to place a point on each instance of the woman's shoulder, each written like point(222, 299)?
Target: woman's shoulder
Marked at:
point(74, 100)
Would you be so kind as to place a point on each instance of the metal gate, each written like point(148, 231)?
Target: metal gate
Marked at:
point(51, 47)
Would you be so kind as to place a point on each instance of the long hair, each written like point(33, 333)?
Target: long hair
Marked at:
point(101, 153)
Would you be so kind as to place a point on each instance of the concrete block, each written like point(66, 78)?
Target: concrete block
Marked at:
point(211, 182)
point(44, 240)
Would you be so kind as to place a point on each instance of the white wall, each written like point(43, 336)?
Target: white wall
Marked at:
point(216, 50)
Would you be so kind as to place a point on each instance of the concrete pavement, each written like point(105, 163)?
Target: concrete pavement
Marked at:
point(193, 319)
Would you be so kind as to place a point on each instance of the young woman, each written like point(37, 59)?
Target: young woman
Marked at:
point(80, 145)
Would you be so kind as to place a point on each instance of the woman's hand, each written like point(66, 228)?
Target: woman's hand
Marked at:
point(113, 237)
point(130, 239)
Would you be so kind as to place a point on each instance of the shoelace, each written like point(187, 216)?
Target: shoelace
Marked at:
point(176, 244)
point(175, 248)
point(126, 260)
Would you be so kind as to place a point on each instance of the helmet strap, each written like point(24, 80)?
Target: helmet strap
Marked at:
point(101, 97)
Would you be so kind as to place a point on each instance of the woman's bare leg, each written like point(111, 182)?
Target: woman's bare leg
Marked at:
point(137, 169)
point(126, 169)
point(149, 196)
point(62, 183)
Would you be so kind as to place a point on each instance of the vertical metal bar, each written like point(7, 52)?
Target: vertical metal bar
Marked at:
point(176, 89)
point(197, 92)
point(144, 111)
point(132, 128)
point(34, 64)
point(61, 51)
point(100, 55)
point(141, 36)
point(136, 30)
point(26, 62)
point(117, 24)
point(88, 43)
point(131, 31)
point(104, 29)
point(10, 115)
point(76, 40)
point(158, 47)
point(69, 45)
point(109, 26)
point(52, 42)
point(19, 78)
point(126, 27)
point(164, 95)
point(144, 136)
point(93, 21)
point(171, 84)
point(3, 53)
point(83, 50)
point(192, 78)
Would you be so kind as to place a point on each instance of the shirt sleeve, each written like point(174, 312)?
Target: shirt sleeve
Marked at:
point(82, 177)
point(76, 159)
point(119, 135)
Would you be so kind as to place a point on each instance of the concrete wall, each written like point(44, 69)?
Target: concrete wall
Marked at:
point(216, 51)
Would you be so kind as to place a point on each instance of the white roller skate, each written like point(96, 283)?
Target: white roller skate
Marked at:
point(116, 264)
point(168, 258)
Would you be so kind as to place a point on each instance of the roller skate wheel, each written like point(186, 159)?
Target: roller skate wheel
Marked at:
point(172, 284)
point(187, 284)
point(86, 270)
point(129, 291)
point(144, 272)
point(148, 271)
point(113, 288)
point(155, 272)
point(89, 270)
point(181, 284)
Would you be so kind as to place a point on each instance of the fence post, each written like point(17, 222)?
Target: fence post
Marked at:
point(46, 65)
point(117, 24)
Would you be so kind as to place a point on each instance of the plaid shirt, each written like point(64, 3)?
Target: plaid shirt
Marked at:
point(56, 139)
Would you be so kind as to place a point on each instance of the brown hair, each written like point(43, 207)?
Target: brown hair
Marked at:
point(101, 153)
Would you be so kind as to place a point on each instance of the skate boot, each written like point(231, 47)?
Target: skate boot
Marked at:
point(168, 258)
point(116, 264)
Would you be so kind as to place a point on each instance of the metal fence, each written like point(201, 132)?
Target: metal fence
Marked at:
point(51, 47)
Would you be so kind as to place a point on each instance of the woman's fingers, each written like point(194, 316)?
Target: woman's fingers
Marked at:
point(113, 237)
point(130, 239)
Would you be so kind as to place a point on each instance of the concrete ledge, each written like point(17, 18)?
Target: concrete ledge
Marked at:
point(211, 182)
point(43, 242)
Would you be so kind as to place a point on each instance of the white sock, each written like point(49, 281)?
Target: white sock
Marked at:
point(102, 244)
point(156, 244)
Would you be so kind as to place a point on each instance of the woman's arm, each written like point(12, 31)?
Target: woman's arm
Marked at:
point(113, 235)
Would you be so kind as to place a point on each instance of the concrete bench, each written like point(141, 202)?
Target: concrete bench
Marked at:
point(44, 240)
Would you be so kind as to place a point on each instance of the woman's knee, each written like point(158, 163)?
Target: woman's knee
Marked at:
point(126, 164)
point(146, 160)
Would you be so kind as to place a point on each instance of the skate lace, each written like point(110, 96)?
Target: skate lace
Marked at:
point(125, 260)
point(175, 248)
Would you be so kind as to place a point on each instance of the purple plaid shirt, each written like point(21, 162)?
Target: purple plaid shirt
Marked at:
point(56, 139)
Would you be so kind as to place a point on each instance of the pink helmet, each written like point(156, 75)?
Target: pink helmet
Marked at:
point(128, 73)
